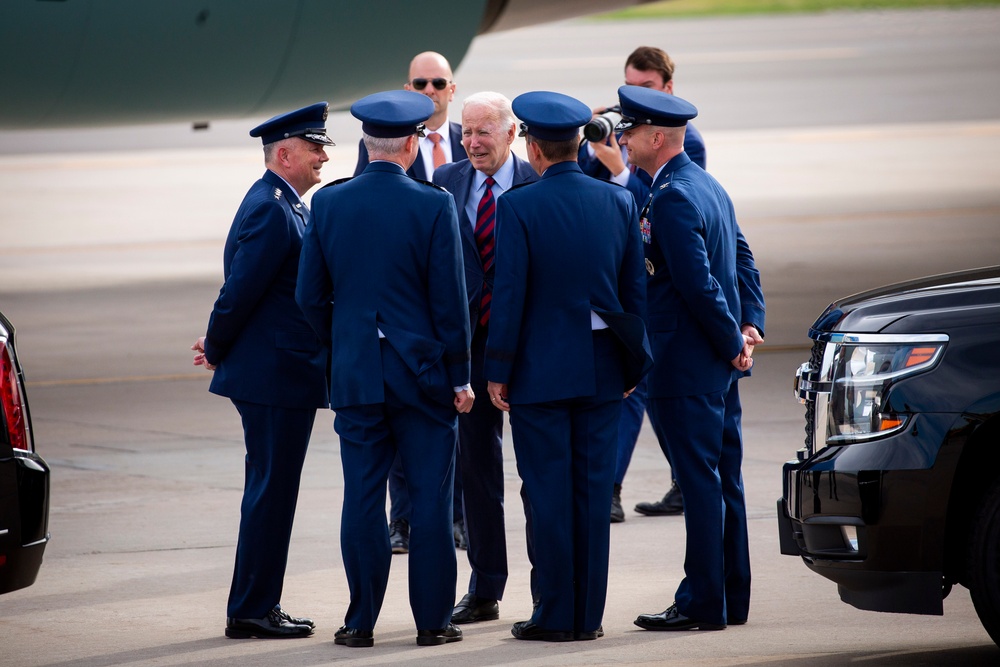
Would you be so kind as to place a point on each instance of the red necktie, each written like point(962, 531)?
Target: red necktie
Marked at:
point(485, 220)
point(438, 153)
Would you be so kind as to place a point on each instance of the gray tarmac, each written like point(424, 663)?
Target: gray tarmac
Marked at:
point(860, 148)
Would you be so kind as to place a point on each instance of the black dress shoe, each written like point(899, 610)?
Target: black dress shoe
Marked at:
point(346, 636)
point(399, 536)
point(272, 626)
point(472, 609)
point(671, 619)
point(294, 620)
point(442, 636)
point(599, 632)
point(672, 504)
point(528, 630)
point(617, 513)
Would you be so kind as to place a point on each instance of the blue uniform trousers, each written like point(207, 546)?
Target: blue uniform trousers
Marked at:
point(424, 434)
point(276, 441)
point(480, 456)
point(399, 497)
point(703, 434)
point(633, 411)
point(566, 457)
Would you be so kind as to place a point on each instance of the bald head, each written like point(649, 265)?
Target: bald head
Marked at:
point(425, 68)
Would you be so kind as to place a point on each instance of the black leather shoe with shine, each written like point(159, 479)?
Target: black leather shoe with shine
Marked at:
point(671, 619)
point(472, 609)
point(617, 513)
point(531, 632)
point(346, 636)
point(672, 504)
point(399, 536)
point(294, 620)
point(596, 634)
point(446, 635)
point(272, 626)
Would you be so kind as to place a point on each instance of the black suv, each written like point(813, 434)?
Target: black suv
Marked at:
point(24, 477)
point(896, 494)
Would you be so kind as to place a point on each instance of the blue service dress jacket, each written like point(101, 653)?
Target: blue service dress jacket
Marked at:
point(403, 221)
point(456, 178)
point(693, 290)
point(545, 353)
point(416, 169)
point(264, 349)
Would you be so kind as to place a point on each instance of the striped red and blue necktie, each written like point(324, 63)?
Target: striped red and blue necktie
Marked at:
point(485, 219)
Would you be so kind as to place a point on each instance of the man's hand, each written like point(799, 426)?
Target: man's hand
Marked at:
point(498, 395)
point(199, 358)
point(742, 361)
point(610, 155)
point(464, 399)
point(751, 332)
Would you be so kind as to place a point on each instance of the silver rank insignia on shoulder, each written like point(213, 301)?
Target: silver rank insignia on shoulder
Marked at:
point(277, 193)
point(665, 185)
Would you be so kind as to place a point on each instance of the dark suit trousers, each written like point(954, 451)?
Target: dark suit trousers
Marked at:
point(705, 441)
point(276, 441)
point(424, 433)
point(566, 458)
point(480, 456)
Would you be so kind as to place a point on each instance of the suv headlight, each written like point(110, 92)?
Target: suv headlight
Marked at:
point(857, 372)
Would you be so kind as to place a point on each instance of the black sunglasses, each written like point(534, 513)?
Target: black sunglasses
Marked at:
point(438, 83)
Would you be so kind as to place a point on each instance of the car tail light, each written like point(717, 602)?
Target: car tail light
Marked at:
point(15, 413)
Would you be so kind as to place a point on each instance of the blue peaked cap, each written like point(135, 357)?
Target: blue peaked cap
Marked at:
point(550, 116)
point(309, 123)
point(393, 113)
point(645, 106)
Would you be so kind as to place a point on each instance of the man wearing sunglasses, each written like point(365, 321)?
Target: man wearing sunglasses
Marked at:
point(430, 75)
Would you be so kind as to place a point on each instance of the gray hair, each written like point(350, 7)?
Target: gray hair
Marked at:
point(272, 148)
point(497, 103)
point(383, 146)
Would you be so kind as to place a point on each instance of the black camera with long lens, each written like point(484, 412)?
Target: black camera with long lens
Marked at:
point(603, 124)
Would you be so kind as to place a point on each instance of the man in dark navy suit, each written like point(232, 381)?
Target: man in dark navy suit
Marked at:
point(270, 363)
point(488, 130)
point(381, 281)
point(430, 75)
point(652, 68)
point(690, 234)
point(569, 282)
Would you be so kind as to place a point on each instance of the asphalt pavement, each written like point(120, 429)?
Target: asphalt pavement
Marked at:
point(860, 148)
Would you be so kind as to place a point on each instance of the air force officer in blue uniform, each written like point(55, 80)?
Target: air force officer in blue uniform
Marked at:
point(429, 74)
point(381, 282)
point(569, 265)
point(270, 363)
point(488, 129)
point(690, 234)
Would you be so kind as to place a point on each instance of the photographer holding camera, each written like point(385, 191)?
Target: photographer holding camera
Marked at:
point(600, 156)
